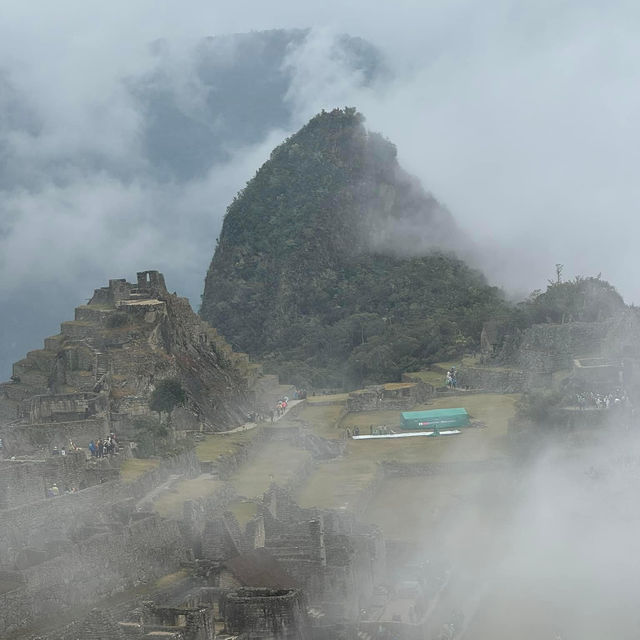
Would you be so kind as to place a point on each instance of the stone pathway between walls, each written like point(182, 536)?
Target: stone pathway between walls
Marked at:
point(252, 425)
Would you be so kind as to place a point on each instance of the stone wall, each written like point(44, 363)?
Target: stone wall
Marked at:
point(597, 374)
point(188, 623)
point(21, 482)
point(267, 614)
point(16, 610)
point(105, 563)
point(222, 538)
point(501, 379)
point(196, 514)
point(76, 548)
point(99, 566)
point(552, 347)
point(45, 436)
point(61, 407)
point(70, 471)
point(51, 519)
point(400, 397)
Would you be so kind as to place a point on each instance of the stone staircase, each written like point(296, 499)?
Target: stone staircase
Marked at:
point(102, 365)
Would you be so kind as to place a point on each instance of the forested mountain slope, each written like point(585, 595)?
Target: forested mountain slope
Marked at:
point(318, 268)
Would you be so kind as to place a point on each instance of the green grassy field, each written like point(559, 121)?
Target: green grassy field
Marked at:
point(243, 510)
point(320, 418)
point(218, 444)
point(494, 410)
point(434, 378)
point(275, 462)
point(133, 468)
point(337, 483)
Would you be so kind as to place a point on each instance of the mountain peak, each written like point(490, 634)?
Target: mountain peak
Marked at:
point(327, 218)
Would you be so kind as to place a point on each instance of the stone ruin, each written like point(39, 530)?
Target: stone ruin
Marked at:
point(400, 396)
point(597, 354)
point(96, 376)
point(98, 372)
point(287, 620)
point(288, 573)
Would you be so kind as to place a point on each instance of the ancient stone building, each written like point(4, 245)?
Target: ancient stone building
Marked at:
point(335, 558)
point(73, 551)
point(394, 395)
point(97, 374)
point(597, 353)
point(267, 614)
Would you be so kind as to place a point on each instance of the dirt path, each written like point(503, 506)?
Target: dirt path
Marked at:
point(252, 425)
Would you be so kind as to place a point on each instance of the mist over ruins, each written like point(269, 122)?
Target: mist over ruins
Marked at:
point(356, 435)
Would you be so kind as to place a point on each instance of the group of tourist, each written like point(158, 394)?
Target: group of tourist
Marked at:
point(103, 448)
point(281, 406)
point(601, 400)
point(451, 379)
point(62, 451)
point(276, 412)
point(54, 491)
point(381, 430)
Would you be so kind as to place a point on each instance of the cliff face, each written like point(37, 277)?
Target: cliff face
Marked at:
point(308, 268)
point(101, 369)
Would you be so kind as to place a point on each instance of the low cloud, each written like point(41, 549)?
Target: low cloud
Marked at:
point(520, 120)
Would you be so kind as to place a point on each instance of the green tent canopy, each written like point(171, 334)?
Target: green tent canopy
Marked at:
point(436, 418)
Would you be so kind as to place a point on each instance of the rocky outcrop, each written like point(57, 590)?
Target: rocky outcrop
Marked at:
point(97, 374)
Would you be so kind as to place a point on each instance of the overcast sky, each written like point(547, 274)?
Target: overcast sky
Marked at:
point(522, 118)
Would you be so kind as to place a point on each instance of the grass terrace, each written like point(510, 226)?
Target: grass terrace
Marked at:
point(338, 483)
point(133, 468)
point(275, 462)
point(321, 419)
point(243, 510)
point(218, 444)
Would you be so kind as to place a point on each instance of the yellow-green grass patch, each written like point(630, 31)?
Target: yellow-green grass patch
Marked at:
point(243, 510)
point(320, 418)
point(275, 462)
point(336, 484)
point(133, 468)
point(218, 444)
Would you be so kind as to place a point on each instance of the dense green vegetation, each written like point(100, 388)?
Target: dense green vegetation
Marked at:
point(579, 300)
point(167, 395)
point(583, 299)
point(308, 274)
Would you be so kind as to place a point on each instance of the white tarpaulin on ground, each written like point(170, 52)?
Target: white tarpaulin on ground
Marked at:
point(413, 434)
